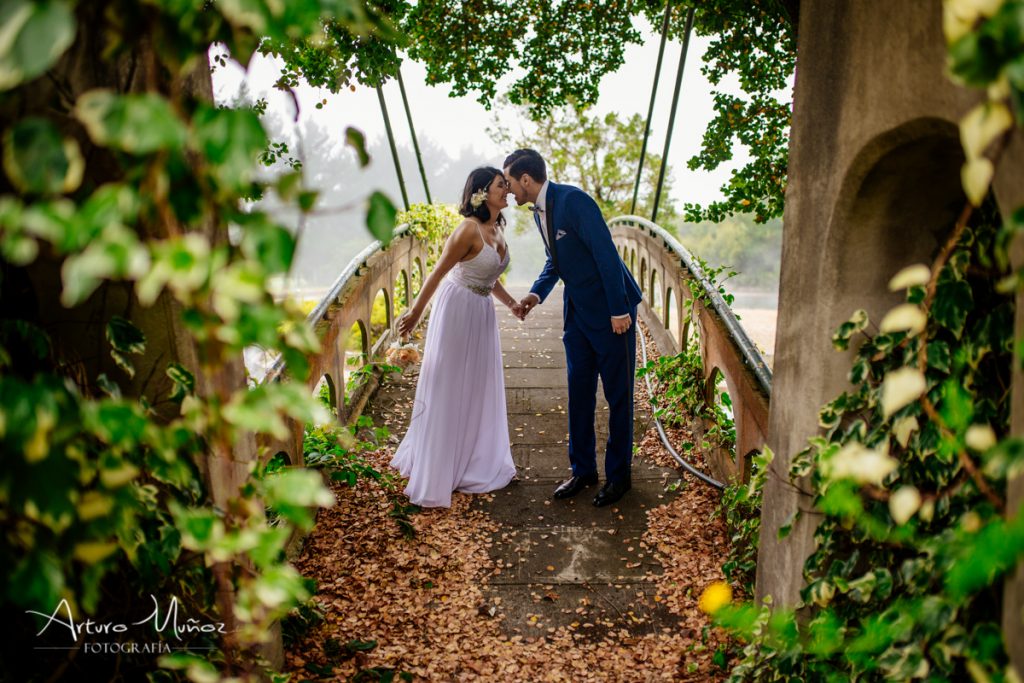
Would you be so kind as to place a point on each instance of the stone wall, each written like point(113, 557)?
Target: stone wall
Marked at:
point(874, 185)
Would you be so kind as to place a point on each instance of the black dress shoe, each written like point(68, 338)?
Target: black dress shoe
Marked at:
point(611, 492)
point(573, 485)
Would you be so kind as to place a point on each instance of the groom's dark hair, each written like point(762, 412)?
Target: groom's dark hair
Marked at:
point(526, 161)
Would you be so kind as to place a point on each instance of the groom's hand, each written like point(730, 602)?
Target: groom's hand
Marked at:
point(620, 324)
point(526, 304)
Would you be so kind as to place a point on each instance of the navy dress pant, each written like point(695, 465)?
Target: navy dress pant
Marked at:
point(591, 354)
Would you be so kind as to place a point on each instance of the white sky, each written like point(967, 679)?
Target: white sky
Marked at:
point(457, 123)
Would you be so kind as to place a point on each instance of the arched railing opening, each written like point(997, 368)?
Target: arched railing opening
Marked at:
point(380, 319)
point(401, 300)
point(357, 352)
point(672, 316)
point(677, 319)
point(326, 391)
point(657, 300)
point(416, 281)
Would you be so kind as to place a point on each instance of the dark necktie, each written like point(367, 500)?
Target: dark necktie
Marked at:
point(542, 226)
point(537, 211)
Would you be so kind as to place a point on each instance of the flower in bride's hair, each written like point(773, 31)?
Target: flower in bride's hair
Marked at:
point(478, 198)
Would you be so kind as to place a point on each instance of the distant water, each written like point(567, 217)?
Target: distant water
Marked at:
point(754, 298)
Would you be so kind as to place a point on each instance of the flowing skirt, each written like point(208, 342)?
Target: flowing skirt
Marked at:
point(458, 436)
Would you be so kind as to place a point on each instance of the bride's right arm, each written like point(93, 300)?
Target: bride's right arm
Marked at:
point(459, 244)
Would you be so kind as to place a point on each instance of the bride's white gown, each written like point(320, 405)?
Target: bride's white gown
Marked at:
point(458, 436)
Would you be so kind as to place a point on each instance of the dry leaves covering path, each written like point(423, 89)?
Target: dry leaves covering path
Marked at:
point(513, 585)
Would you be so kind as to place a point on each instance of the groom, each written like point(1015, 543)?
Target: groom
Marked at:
point(600, 302)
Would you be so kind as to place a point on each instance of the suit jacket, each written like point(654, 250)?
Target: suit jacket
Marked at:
point(598, 285)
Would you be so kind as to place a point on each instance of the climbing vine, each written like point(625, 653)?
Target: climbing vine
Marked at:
point(431, 224)
point(683, 389)
point(907, 478)
point(134, 273)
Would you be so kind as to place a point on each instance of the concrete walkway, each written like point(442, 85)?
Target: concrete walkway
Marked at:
point(558, 563)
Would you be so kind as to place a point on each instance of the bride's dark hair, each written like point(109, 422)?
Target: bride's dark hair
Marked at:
point(479, 179)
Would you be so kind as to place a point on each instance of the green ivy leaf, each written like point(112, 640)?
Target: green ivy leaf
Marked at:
point(857, 322)
point(108, 386)
point(787, 524)
point(957, 407)
point(307, 200)
point(953, 301)
point(138, 124)
point(199, 527)
point(354, 646)
point(939, 356)
point(826, 634)
point(380, 217)
point(231, 140)
point(270, 244)
point(292, 494)
point(184, 381)
point(37, 160)
point(117, 254)
point(125, 338)
point(842, 500)
point(270, 546)
point(355, 139)
point(978, 57)
point(35, 35)
point(116, 423)
point(254, 411)
point(36, 582)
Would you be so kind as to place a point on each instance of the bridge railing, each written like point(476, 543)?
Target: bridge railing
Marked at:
point(665, 269)
point(349, 303)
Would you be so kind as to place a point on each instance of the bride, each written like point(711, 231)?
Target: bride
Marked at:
point(458, 436)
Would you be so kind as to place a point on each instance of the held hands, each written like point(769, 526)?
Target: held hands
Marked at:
point(526, 305)
point(517, 309)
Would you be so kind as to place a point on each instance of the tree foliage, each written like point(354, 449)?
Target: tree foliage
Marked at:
point(133, 276)
point(556, 54)
point(753, 43)
point(598, 153)
point(564, 48)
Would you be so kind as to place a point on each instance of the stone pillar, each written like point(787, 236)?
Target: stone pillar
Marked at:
point(874, 141)
point(1009, 191)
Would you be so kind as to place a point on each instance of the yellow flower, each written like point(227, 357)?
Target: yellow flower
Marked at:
point(715, 597)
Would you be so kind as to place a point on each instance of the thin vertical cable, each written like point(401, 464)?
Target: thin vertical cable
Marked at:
point(672, 116)
point(650, 108)
point(394, 149)
point(412, 131)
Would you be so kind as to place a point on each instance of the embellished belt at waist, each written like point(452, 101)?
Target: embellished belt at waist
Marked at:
point(482, 290)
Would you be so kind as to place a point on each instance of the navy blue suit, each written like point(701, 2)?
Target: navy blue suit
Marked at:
point(598, 286)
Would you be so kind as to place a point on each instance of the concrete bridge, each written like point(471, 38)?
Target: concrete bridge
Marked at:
point(587, 556)
point(669, 277)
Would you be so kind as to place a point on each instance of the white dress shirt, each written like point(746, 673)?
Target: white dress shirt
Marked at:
point(541, 204)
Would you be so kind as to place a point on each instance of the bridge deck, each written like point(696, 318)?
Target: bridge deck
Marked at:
point(558, 562)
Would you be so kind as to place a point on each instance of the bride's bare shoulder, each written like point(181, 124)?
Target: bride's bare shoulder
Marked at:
point(468, 229)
